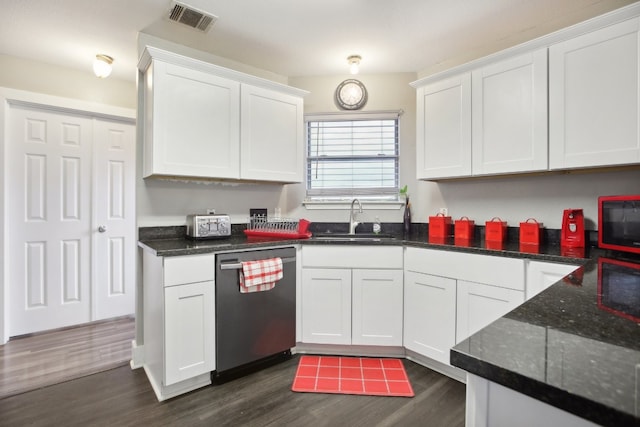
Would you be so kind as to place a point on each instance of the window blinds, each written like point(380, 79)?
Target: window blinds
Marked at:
point(352, 157)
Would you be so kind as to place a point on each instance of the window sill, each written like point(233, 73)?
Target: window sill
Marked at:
point(346, 204)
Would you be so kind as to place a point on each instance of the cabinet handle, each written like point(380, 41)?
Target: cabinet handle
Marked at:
point(238, 265)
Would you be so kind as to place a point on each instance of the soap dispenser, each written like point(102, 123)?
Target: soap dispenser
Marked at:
point(377, 227)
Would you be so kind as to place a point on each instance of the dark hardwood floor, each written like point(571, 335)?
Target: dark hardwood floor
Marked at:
point(122, 397)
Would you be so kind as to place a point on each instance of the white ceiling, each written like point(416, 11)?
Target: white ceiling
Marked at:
point(289, 37)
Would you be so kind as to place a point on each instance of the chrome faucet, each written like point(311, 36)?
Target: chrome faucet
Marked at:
point(352, 221)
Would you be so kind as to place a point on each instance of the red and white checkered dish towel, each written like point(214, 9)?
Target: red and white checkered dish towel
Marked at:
point(262, 275)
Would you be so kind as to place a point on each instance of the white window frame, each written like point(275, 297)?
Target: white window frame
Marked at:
point(337, 202)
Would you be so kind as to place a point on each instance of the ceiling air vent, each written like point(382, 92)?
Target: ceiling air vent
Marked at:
point(191, 17)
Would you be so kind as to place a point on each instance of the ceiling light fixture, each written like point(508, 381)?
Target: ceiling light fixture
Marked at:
point(102, 66)
point(354, 63)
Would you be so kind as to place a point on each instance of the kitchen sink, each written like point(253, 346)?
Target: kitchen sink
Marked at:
point(358, 237)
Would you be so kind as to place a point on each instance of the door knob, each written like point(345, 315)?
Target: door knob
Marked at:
point(102, 228)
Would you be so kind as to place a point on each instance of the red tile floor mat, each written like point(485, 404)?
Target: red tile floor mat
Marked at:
point(352, 375)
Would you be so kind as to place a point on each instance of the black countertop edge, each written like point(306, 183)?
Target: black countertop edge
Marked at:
point(188, 246)
point(574, 404)
point(171, 241)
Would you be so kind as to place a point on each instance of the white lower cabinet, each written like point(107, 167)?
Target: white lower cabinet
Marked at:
point(179, 322)
point(376, 305)
point(478, 305)
point(326, 306)
point(443, 307)
point(189, 319)
point(429, 315)
point(352, 306)
point(541, 275)
point(359, 295)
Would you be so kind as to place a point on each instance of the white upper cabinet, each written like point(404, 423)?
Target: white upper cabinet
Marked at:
point(192, 123)
point(594, 99)
point(272, 135)
point(443, 134)
point(509, 111)
point(205, 121)
point(567, 100)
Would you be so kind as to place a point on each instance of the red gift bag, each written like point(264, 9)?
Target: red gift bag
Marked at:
point(531, 232)
point(439, 226)
point(495, 230)
point(463, 228)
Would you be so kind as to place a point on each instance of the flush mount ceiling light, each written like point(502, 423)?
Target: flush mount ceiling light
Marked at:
point(354, 63)
point(102, 66)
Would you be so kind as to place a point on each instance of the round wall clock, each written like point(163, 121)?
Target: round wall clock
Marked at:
point(351, 95)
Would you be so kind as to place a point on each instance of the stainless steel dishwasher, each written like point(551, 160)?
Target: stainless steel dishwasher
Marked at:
point(253, 329)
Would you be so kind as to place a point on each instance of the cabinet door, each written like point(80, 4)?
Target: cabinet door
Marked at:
point(326, 306)
point(193, 127)
point(272, 136)
point(377, 307)
point(479, 304)
point(189, 321)
point(509, 113)
point(594, 81)
point(429, 315)
point(443, 134)
point(541, 275)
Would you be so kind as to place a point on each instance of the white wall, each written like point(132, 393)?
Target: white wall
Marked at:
point(149, 40)
point(39, 77)
point(386, 92)
point(544, 197)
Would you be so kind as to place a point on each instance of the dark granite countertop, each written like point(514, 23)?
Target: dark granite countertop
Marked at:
point(171, 241)
point(575, 346)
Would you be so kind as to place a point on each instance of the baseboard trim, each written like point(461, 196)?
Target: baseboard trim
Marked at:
point(137, 355)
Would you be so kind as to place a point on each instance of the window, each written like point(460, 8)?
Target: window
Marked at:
point(352, 155)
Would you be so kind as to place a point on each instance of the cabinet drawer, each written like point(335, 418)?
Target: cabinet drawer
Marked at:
point(492, 270)
point(189, 269)
point(340, 256)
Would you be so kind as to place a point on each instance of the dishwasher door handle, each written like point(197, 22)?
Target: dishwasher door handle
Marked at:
point(238, 265)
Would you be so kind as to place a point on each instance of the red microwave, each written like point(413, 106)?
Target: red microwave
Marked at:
point(619, 223)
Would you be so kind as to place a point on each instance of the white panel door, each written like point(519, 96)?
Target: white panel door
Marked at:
point(478, 305)
point(509, 110)
point(443, 134)
point(114, 219)
point(429, 315)
point(195, 118)
point(271, 135)
point(189, 331)
point(49, 213)
point(594, 98)
point(326, 306)
point(377, 307)
point(541, 275)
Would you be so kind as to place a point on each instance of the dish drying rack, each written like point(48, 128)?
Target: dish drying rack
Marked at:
point(260, 226)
